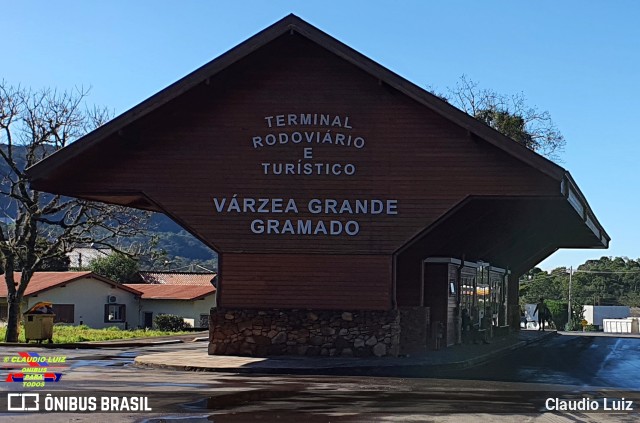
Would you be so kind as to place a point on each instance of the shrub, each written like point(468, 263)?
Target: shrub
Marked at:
point(558, 311)
point(170, 323)
point(576, 318)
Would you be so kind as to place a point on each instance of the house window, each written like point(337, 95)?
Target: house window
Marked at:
point(114, 313)
point(64, 313)
point(4, 312)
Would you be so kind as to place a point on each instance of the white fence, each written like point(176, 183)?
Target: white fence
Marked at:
point(596, 314)
point(629, 325)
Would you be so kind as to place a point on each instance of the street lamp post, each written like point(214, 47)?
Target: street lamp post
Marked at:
point(569, 302)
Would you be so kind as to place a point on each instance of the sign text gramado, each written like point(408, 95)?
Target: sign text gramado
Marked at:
point(309, 130)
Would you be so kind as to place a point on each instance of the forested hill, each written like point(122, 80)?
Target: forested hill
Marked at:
point(182, 249)
point(8, 207)
point(606, 281)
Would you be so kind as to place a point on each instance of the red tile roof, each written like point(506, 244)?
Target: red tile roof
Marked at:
point(191, 279)
point(42, 281)
point(172, 292)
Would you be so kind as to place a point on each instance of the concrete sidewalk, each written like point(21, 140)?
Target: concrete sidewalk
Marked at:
point(452, 358)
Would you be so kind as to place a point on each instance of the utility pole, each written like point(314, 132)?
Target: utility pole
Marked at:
point(569, 302)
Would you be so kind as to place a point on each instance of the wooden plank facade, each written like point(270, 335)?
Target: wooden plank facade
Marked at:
point(323, 180)
point(310, 281)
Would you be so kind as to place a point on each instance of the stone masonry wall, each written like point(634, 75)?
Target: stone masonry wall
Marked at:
point(304, 332)
point(414, 330)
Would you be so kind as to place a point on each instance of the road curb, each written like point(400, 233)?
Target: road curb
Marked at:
point(599, 334)
point(105, 344)
point(410, 367)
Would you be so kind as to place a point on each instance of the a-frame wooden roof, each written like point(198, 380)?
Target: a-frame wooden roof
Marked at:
point(292, 23)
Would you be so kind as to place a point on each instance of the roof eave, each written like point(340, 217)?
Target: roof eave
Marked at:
point(578, 201)
point(172, 91)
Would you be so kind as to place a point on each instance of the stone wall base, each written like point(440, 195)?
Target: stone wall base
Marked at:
point(304, 332)
point(414, 330)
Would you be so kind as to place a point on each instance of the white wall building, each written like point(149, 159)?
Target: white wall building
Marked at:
point(594, 315)
point(192, 302)
point(81, 258)
point(81, 298)
point(98, 302)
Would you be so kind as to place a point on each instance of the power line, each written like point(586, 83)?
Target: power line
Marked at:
point(536, 278)
point(607, 271)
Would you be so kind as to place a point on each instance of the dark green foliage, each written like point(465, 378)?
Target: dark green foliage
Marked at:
point(606, 281)
point(577, 314)
point(538, 283)
point(511, 125)
point(631, 299)
point(118, 267)
point(170, 323)
point(508, 114)
point(172, 247)
point(558, 310)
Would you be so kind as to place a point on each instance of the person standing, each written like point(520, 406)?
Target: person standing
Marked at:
point(542, 310)
point(466, 326)
point(523, 318)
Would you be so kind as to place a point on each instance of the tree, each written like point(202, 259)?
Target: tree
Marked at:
point(39, 226)
point(509, 115)
point(117, 266)
point(606, 281)
point(551, 286)
point(56, 262)
point(559, 313)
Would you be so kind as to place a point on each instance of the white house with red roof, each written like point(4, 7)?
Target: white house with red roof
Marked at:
point(186, 294)
point(80, 298)
point(98, 302)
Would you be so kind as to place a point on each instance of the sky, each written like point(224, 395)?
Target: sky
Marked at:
point(579, 60)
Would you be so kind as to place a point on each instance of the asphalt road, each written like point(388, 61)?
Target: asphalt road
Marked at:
point(512, 388)
point(585, 361)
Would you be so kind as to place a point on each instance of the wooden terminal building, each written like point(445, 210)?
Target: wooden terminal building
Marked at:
point(353, 212)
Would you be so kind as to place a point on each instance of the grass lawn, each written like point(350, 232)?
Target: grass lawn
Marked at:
point(66, 333)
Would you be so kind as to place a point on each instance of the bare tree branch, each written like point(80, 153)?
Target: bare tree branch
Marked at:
point(34, 124)
point(510, 115)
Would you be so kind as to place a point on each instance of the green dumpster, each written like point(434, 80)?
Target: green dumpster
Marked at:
point(38, 323)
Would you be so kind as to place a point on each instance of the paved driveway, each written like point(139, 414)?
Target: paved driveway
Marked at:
point(520, 384)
